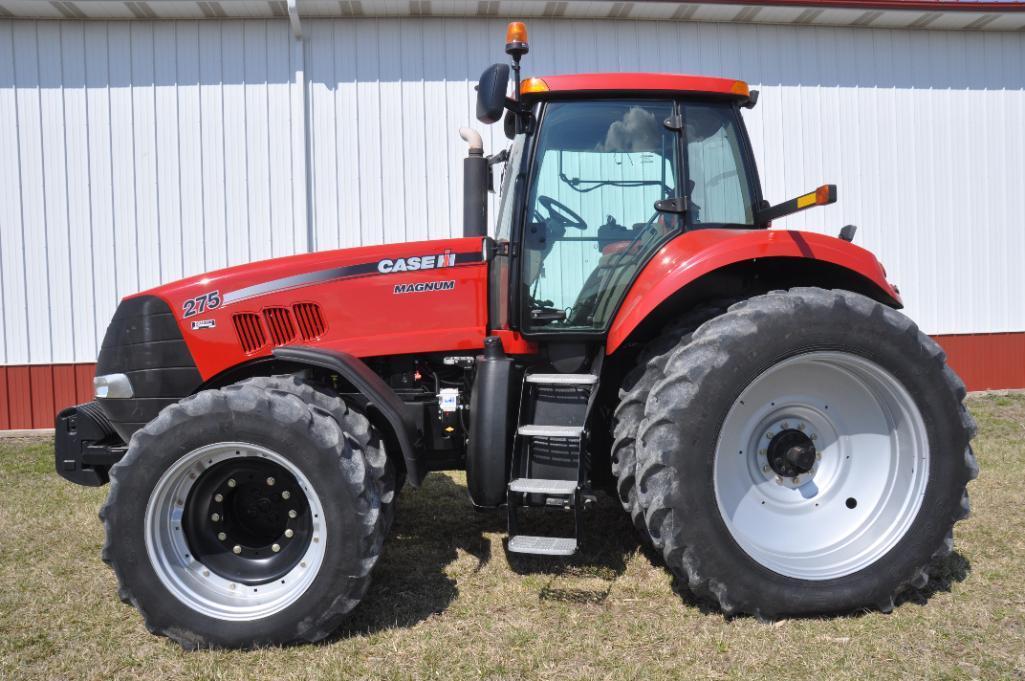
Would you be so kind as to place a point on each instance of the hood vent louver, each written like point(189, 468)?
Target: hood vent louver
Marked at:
point(250, 331)
point(279, 323)
point(284, 325)
point(310, 320)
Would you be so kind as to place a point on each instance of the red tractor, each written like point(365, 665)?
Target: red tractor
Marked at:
point(788, 441)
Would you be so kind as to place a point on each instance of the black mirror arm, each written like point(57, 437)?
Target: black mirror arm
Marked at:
point(677, 205)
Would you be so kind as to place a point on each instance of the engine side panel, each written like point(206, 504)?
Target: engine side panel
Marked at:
point(696, 253)
point(405, 298)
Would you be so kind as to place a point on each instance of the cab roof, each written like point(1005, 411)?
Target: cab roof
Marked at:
point(616, 83)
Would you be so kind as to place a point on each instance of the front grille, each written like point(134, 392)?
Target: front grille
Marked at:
point(310, 321)
point(144, 341)
point(250, 331)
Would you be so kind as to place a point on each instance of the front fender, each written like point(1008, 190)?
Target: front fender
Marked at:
point(695, 254)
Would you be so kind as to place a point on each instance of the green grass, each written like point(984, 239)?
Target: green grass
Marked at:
point(447, 602)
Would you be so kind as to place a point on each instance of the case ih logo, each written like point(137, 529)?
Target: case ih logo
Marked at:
point(417, 262)
point(425, 286)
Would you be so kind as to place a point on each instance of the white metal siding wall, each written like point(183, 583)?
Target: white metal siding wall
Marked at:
point(135, 152)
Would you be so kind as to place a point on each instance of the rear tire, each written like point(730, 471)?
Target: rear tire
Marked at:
point(263, 472)
point(634, 394)
point(842, 521)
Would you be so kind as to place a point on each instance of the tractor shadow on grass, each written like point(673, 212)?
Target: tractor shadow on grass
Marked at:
point(943, 574)
point(609, 540)
point(435, 523)
point(409, 585)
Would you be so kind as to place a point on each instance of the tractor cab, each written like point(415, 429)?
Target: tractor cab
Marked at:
point(603, 171)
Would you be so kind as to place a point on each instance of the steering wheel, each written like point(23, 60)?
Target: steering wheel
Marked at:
point(561, 213)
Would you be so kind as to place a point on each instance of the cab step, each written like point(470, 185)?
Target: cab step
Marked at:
point(562, 379)
point(542, 486)
point(543, 546)
point(550, 431)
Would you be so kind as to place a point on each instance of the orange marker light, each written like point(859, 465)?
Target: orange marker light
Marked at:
point(825, 194)
point(740, 87)
point(532, 85)
point(516, 39)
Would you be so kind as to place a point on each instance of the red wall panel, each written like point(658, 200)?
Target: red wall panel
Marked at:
point(41, 386)
point(30, 396)
point(19, 397)
point(991, 361)
point(5, 416)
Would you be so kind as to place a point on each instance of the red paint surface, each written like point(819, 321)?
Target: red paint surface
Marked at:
point(696, 253)
point(639, 82)
point(365, 317)
point(983, 361)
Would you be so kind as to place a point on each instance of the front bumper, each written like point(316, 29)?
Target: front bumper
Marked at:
point(86, 445)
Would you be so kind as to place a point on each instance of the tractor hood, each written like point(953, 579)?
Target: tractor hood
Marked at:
point(422, 296)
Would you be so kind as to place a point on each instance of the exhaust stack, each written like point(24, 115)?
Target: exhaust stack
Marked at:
point(475, 185)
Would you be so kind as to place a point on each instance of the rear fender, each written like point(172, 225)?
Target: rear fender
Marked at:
point(697, 254)
point(381, 399)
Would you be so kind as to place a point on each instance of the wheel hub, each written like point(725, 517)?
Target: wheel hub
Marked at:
point(247, 520)
point(791, 453)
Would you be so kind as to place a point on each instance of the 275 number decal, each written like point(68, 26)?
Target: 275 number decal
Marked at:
point(200, 304)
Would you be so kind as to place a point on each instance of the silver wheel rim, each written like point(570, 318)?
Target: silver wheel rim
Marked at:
point(863, 489)
point(192, 582)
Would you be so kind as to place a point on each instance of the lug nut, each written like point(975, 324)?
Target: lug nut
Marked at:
point(800, 426)
point(275, 547)
point(236, 549)
point(779, 480)
point(231, 482)
point(292, 513)
point(769, 435)
point(785, 425)
point(765, 468)
point(216, 517)
point(222, 536)
point(818, 456)
point(270, 482)
point(762, 452)
point(218, 498)
point(796, 478)
point(814, 436)
point(289, 533)
point(286, 494)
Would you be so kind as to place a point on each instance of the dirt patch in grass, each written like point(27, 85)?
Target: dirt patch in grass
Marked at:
point(448, 602)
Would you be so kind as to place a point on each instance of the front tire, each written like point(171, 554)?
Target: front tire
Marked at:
point(242, 517)
point(806, 453)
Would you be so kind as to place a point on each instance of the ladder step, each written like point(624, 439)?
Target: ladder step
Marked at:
point(543, 546)
point(542, 486)
point(562, 379)
point(551, 431)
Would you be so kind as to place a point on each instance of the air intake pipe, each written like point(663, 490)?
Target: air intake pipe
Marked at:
point(475, 185)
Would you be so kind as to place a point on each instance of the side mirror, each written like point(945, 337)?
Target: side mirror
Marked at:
point(509, 125)
point(491, 93)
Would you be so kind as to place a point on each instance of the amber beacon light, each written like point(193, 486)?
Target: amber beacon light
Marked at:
point(516, 39)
